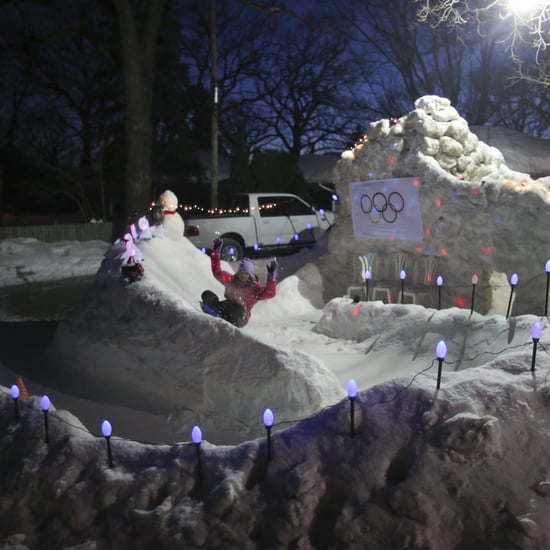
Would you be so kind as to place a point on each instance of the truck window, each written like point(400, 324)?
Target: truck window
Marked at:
point(240, 203)
point(282, 206)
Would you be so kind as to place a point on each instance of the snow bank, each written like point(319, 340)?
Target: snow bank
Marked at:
point(460, 467)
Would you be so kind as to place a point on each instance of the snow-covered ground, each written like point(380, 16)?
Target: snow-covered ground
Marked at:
point(462, 466)
point(430, 453)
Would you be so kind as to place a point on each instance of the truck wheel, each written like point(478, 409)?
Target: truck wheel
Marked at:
point(232, 251)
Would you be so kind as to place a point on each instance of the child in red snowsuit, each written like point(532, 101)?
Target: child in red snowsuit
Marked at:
point(242, 289)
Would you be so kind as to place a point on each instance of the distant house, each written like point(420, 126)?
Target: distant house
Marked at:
point(224, 165)
point(318, 168)
point(521, 152)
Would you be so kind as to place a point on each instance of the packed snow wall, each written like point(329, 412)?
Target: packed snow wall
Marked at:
point(480, 221)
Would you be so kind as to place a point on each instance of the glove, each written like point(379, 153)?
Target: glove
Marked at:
point(217, 247)
point(272, 268)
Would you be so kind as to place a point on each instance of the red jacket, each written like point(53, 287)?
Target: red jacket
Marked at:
point(245, 294)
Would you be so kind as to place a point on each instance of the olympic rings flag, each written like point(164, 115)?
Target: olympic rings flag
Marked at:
point(382, 209)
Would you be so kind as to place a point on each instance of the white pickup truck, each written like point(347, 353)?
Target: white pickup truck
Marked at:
point(259, 221)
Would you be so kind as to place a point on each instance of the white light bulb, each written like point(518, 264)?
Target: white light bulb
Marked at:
point(268, 418)
point(352, 388)
point(45, 403)
point(536, 331)
point(196, 435)
point(441, 350)
point(106, 428)
point(15, 391)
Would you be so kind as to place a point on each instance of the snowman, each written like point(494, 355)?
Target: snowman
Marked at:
point(174, 226)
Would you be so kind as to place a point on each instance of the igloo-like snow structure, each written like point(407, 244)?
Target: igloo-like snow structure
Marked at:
point(478, 216)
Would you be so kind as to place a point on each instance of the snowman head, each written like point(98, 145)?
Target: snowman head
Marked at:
point(169, 201)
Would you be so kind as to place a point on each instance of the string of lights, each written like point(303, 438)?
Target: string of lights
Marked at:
point(361, 398)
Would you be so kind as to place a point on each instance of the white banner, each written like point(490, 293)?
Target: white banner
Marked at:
point(383, 209)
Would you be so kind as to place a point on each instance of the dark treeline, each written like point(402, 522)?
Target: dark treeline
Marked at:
point(106, 103)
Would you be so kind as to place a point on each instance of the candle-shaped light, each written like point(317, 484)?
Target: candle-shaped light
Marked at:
point(143, 223)
point(45, 406)
point(367, 280)
point(107, 431)
point(439, 282)
point(536, 333)
point(441, 353)
point(14, 392)
point(513, 283)
point(196, 436)
point(475, 280)
point(547, 269)
point(268, 423)
point(352, 394)
point(402, 276)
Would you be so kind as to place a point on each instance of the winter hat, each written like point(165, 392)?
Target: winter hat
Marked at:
point(169, 201)
point(247, 265)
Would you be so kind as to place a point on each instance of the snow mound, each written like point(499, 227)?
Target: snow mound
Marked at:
point(476, 214)
point(149, 342)
point(420, 468)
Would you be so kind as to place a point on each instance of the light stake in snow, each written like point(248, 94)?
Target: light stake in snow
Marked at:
point(268, 423)
point(14, 392)
point(196, 436)
point(402, 276)
point(441, 352)
point(107, 431)
point(475, 279)
point(352, 394)
point(513, 283)
point(45, 406)
point(547, 269)
point(367, 279)
point(536, 333)
point(439, 282)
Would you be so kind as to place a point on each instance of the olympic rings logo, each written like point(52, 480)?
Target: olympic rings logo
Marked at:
point(379, 207)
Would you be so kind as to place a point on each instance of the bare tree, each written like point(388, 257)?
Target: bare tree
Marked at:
point(61, 105)
point(238, 55)
point(306, 90)
point(404, 58)
point(525, 24)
